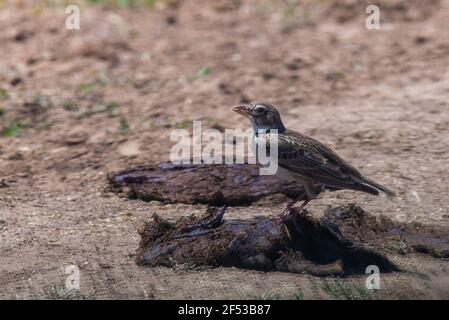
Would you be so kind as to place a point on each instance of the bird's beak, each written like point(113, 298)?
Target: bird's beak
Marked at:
point(242, 110)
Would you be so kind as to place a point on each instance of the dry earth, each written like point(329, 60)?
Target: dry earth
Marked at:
point(77, 104)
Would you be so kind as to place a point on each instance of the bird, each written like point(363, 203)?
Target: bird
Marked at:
point(304, 159)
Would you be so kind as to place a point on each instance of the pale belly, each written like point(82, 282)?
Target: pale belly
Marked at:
point(285, 174)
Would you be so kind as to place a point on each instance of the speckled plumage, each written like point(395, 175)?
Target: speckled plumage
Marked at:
point(305, 159)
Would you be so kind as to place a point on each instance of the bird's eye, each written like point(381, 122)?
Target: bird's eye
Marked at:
point(259, 109)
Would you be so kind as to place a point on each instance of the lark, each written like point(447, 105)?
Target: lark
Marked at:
point(304, 159)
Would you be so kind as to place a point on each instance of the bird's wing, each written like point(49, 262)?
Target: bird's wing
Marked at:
point(310, 158)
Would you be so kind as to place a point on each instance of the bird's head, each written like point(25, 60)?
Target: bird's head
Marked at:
point(263, 116)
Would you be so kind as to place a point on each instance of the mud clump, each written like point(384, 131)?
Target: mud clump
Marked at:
point(231, 185)
point(296, 243)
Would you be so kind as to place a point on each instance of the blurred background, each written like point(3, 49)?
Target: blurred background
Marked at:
point(78, 104)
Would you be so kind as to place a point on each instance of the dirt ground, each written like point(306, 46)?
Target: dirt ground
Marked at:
point(78, 104)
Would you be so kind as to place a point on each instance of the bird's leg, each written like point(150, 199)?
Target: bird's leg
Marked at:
point(311, 192)
point(301, 207)
point(306, 201)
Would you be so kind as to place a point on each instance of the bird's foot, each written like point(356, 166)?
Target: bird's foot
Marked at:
point(287, 210)
point(303, 212)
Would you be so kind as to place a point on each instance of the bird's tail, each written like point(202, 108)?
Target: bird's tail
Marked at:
point(370, 183)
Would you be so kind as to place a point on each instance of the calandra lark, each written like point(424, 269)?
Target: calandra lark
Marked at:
point(304, 159)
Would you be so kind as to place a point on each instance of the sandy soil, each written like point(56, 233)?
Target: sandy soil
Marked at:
point(77, 104)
